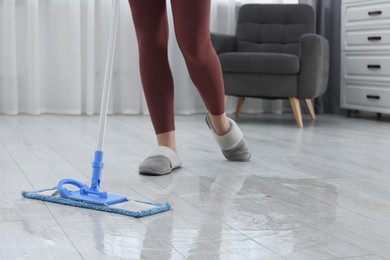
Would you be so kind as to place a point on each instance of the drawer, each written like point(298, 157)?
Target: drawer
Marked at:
point(367, 40)
point(376, 66)
point(357, 95)
point(367, 13)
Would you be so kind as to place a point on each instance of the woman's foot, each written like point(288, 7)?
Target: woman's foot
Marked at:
point(164, 157)
point(232, 142)
point(161, 161)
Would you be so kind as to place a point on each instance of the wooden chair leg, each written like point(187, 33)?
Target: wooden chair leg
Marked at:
point(240, 103)
point(297, 111)
point(310, 106)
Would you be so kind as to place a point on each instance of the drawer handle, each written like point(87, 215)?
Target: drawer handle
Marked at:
point(373, 97)
point(374, 38)
point(371, 13)
point(373, 66)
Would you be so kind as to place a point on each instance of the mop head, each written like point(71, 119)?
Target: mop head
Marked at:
point(131, 208)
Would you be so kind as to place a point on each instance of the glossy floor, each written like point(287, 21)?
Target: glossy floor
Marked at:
point(321, 192)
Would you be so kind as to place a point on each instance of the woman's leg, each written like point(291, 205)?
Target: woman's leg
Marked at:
point(192, 28)
point(151, 26)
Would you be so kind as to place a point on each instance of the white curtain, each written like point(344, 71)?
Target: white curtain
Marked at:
point(52, 58)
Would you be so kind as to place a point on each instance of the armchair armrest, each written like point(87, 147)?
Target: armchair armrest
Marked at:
point(223, 42)
point(314, 56)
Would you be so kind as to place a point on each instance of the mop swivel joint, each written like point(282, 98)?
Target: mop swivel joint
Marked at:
point(97, 166)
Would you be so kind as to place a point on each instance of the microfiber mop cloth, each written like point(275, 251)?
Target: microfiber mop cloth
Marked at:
point(131, 208)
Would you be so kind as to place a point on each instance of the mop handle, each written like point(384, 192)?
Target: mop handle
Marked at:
point(108, 73)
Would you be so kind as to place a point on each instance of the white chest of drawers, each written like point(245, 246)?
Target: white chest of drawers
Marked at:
point(365, 55)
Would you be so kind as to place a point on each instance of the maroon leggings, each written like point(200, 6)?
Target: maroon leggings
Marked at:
point(191, 20)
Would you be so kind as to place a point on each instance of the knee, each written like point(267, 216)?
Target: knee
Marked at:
point(152, 43)
point(195, 50)
point(152, 49)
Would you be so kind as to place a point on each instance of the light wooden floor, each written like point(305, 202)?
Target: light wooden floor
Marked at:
point(321, 192)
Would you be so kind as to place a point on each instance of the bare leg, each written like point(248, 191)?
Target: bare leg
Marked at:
point(167, 139)
point(220, 123)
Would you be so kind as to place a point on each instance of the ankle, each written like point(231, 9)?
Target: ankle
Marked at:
point(168, 140)
point(220, 123)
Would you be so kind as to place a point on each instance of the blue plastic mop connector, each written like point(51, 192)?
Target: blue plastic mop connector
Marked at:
point(90, 194)
point(97, 166)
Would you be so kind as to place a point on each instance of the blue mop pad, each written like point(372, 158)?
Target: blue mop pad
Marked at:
point(131, 208)
point(93, 198)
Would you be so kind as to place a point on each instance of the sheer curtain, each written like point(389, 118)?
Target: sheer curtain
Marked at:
point(52, 57)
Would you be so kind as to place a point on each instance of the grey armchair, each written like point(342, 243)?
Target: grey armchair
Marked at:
point(275, 54)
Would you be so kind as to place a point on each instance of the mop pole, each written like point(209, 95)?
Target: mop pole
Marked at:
point(97, 164)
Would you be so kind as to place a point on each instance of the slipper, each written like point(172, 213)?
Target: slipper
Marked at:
point(232, 144)
point(160, 162)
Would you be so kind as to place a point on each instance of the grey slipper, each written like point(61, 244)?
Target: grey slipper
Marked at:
point(233, 144)
point(160, 162)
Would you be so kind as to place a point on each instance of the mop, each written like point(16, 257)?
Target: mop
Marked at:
point(93, 197)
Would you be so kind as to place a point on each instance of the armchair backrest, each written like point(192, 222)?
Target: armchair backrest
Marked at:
point(273, 28)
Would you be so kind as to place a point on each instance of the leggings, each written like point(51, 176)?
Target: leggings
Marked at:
point(191, 20)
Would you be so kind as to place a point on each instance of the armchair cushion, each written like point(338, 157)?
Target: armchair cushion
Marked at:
point(255, 62)
point(273, 27)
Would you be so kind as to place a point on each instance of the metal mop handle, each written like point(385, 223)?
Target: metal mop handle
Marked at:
point(108, 74)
